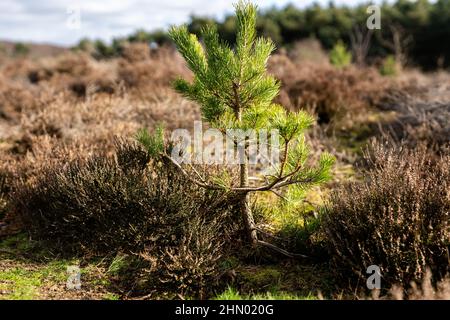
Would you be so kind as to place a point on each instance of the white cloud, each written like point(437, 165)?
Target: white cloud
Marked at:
point(45, 20)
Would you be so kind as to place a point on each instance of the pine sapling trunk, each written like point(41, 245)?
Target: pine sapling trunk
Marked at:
point(244, 205)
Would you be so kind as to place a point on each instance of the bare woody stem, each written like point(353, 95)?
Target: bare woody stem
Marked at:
point(245, 198)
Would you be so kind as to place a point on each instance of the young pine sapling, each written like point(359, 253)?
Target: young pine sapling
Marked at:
point(235, 91)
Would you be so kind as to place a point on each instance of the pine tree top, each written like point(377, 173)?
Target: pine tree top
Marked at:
point(230, 84)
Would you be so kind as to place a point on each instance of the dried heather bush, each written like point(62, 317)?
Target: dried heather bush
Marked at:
point(422, 289)
point(338, 96)
point(398, 218)
point(106, 204)
point(133, 52)
point(14, 99)
point(77, 73)
point(188, 265)
point(336, 92)
point(17, 69)
point(147, 74)
point(42, 152)
point(130, 156)
point(284, 68)
point(422, 115)
point(72, 64)
point(108, 201)
point(308, 50)
point(425, 290)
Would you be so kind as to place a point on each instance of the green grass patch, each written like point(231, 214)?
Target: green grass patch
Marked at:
point(22, 282)
point(19, 284)
point(232, 294)
point(29, 271)
point(110, 296)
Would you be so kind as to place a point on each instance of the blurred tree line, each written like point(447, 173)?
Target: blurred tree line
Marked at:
point(418, 31)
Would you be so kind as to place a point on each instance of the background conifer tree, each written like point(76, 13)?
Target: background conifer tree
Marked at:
point(235, 91)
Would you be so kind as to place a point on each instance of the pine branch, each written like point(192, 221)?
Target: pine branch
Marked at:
point(282, 251)
point(189, 177)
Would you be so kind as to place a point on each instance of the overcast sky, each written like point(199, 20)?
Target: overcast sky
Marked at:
point(56, 21)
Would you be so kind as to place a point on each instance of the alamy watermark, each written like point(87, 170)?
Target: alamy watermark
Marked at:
point(74, 278)
point(73, 21)
point(374, 20)
point(374, 280)
point(232, 146)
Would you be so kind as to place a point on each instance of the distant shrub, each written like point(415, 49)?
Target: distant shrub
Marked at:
point(335, 93)
point(308, 50)
point(339, 56)
point(103, 51)
point(21, 49)
point(71, 64)
point(14, 100)
point(142, 70)
point(422, 117)
point(135, 52)
point(397, 219)
point(389, 66)
point(84, 45)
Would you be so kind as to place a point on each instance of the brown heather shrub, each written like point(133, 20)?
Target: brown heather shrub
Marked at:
point(422, 113)
point(189, 265)
point(425, 290)
point(17, 69)
point(338, 96)
point(72, 64)
point(308, 50)
point(139, 73)
point(46, 151)
point(60, 128)
point(97, 119)
point(133, 52)
point(429, 124)
point(104, 204)
point(25, 166)
point(75, 72)
point(140, 70)
point(335, 93)
point(284, 68)
point(75, 203)
point(14, 99)
point(398, 218)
